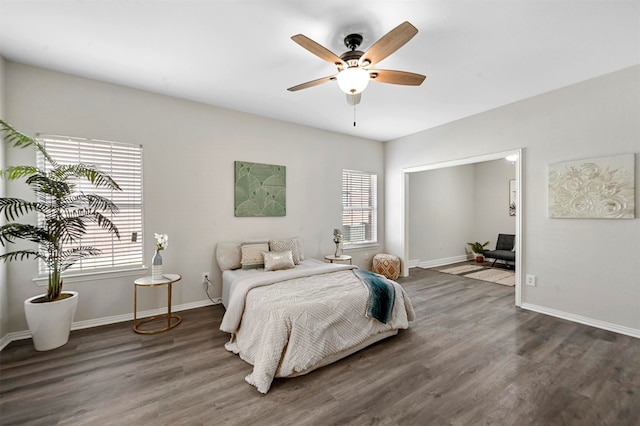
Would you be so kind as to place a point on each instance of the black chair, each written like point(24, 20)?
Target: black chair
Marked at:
point(504, 249)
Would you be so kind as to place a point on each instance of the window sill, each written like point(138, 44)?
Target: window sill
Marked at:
point(354, 247)
point(93, 276)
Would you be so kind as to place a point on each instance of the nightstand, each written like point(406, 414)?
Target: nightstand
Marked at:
point(342, 258)
point(168, 280)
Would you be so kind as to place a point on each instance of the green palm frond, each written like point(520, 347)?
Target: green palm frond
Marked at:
point(64, 213)
point(69, 257)
point(66, 230)
point(107, 224)
point(20, 140)
point(11, 232)
point(98, 202)
point(17, 172)
point(13, 208)
point(19, 255)
point(42, 183)
point(86, 171)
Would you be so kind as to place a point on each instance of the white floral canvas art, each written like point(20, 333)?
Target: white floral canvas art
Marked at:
point(601, 188)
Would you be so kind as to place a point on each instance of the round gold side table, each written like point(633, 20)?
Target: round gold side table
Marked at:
point(342, 258)
point(172, 319)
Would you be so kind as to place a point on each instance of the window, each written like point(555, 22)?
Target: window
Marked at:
point(359, 207)
point(123, 162)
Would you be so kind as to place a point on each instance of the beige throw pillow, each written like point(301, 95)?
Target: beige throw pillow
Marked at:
point(284, 245)
point(229, 256)
point(274, 261)
point(252, 257)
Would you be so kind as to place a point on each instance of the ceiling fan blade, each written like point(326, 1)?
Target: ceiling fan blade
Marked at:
point(397, 77)
point(311, 83)
point(389, 43)
point(319, 50)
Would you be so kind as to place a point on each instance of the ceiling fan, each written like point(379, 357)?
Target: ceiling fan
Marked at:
point(356, 68)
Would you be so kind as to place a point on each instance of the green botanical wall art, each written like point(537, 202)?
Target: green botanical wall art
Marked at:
point(260, 190)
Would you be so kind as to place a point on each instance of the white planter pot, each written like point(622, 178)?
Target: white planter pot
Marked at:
point(50, 322)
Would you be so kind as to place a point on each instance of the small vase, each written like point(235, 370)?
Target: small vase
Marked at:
point(156, 266)
point(338, 252)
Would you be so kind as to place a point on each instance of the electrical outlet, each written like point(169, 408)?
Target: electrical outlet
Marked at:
point(531, 280)
point(204, 278)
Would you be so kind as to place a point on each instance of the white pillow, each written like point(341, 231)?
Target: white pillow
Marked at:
point(284, 245)
point(299, 246)
point(274, 261)
point(229, 256)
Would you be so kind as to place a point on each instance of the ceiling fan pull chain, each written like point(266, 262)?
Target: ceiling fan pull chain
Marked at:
point(354, 115)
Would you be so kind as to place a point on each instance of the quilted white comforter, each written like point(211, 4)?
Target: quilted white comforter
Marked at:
point(285, 324)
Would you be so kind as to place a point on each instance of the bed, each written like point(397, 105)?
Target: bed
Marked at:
point(289, 322)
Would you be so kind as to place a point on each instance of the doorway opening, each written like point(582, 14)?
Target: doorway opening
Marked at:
point(516, 157)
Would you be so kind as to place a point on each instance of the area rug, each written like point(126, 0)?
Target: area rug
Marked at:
point(484, 273)
point(462, 269)
point(499, 276)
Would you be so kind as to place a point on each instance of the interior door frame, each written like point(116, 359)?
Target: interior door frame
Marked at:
point(460, 162)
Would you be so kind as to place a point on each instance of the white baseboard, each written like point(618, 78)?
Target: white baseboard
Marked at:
point(79, 325)
point(10, 337)
point(583, 320)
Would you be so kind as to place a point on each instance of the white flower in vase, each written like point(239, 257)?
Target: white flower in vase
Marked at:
point(337, 236)
point(337, 239)
point(162, 241)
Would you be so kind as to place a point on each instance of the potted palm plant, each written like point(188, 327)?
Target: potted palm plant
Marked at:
point(478, 250)
point(63, 214)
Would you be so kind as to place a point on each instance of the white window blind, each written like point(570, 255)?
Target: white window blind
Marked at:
point(123, 162)
point(359, 207)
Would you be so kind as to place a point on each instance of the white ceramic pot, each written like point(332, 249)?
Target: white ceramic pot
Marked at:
point(50, 322)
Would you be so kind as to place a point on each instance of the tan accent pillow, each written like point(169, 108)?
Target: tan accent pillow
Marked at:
point(274, 261)
point(252, 257)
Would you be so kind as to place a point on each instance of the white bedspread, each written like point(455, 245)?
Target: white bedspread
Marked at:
point(285, 324)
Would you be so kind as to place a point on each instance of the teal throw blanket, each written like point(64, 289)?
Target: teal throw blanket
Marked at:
point(381, 295)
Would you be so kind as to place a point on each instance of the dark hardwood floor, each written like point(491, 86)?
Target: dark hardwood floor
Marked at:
point(470, 358)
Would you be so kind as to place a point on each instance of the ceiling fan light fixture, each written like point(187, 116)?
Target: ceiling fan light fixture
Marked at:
point(353, 80)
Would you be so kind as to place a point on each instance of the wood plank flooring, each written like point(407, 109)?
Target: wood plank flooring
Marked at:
point(470, 358)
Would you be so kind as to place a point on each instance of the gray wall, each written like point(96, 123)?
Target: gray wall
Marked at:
point(451, 206)
point(491, 192)
point(4, 288)
point(441, 209)
point(189, 150)
point(587, 270)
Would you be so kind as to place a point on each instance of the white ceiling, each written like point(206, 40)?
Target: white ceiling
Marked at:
point(237, 54)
